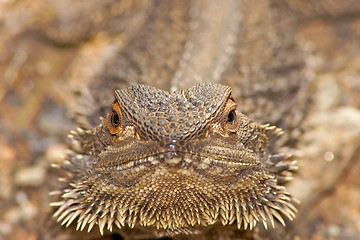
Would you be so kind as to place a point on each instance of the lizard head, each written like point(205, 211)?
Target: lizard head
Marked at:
point(175, 163)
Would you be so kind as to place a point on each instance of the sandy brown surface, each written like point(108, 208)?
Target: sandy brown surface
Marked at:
point(46, 47)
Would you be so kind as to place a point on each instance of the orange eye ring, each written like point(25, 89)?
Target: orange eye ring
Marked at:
point(114, 119)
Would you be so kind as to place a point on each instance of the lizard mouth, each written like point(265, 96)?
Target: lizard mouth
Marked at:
point(186, 158)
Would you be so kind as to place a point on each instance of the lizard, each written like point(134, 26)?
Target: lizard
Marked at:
point(175, 163)
point(266, 81)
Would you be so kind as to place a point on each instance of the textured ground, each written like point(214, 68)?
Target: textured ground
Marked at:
point(39, 61)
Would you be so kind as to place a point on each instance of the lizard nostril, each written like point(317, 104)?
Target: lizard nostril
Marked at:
point(171, 155)
point(172, 147)
point(171, 151)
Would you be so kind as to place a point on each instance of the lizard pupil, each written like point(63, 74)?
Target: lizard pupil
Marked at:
point(115, 121)
point(231, 116)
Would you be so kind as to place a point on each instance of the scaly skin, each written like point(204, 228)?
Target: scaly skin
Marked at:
point(175, 164)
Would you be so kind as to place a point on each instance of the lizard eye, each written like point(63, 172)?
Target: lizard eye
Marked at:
point(232, 117)
point(113, 120)
point(232, 123)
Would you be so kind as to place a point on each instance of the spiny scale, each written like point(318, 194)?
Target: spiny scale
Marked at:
point(183, 182)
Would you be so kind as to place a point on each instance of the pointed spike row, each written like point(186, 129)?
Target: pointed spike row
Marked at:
point(74, 215)
point(117, 223)
point(93, 218)
point(278, 216)
point(105, 212)
point(74, 185)
point(243, 205)
point(254, 214)
point(254, 223)
point(99, 209)
point(151, 222)
point(284, 196)
point(120, 218)
point(91, 225)
point(260, 211)
point(264, 223)
point(61, 179)
point(272, 205)
point(71, 194)
point(251, 221)
point(56, 204)
point(280, 189)
point(78, 225)
point(73, 132)
point(214, 213)
point(89, 131)
point(238, 222)
point(62, 208)
point(66, 212)
point(110, 226)
point(232, 216)
point(110, 223)
point(66, 217)
point(275, 159)
point(88, 210)
point(112, 211)
point(291, 206)
point(85, 221)
point(245, 224)
point(288, 212)
point(283, 200)
point(163, 223)
point(142, 216)
point(269, 128)
point(132, 221)
point(223, 217)
point(270, 216)
point(54, 165)
point(108, 204)
point(293, 166)
point(285, 179)
point(102, 222)
point(82, 216)
point(246, 216)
